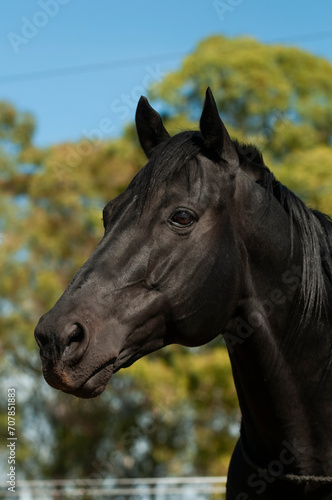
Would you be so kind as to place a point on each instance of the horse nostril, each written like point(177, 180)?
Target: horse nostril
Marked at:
point(76, 344)
point(68, 343)
point(77, 334)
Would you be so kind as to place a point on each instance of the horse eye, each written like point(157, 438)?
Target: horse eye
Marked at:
point(182, 219)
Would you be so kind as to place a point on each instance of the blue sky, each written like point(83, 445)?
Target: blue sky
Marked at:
point(144, 39)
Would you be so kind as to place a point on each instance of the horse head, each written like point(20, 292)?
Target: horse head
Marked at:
point(171, 265)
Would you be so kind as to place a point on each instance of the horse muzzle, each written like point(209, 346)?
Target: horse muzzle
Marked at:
point(65, 357)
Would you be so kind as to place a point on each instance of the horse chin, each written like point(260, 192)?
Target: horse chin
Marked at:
point(95, 385)
point(87, 392)
point(91, 387)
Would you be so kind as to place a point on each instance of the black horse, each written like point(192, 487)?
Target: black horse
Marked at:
point(205, 241)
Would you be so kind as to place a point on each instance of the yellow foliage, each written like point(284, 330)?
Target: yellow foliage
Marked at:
point(309, 174)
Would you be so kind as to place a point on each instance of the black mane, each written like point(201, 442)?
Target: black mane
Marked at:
point(315, 232)
point(313, 227)
point(167, 160)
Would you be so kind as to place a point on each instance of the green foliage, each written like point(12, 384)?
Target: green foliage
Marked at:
point(268, 97)
point(251, 83)
point(174, 412)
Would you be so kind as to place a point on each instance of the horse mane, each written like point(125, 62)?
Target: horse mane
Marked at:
point(313, 227)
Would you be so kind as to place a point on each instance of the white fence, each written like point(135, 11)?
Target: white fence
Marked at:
point(186, 488)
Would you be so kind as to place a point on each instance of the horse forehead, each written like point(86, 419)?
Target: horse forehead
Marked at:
point(200, 173)
point(210, 179)
point(198, 180)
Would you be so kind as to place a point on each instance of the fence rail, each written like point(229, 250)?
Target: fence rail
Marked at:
point(142, 488)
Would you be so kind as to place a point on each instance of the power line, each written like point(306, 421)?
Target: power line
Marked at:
point(306, 37)
point(129, 62)
point(87, 68)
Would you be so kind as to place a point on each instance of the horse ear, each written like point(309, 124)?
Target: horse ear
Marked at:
point(149, 126)
point(216, 137)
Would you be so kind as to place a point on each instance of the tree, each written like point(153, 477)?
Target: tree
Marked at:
point(18, 158)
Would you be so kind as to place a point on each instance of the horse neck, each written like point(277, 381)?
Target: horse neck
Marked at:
point(282, 373)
